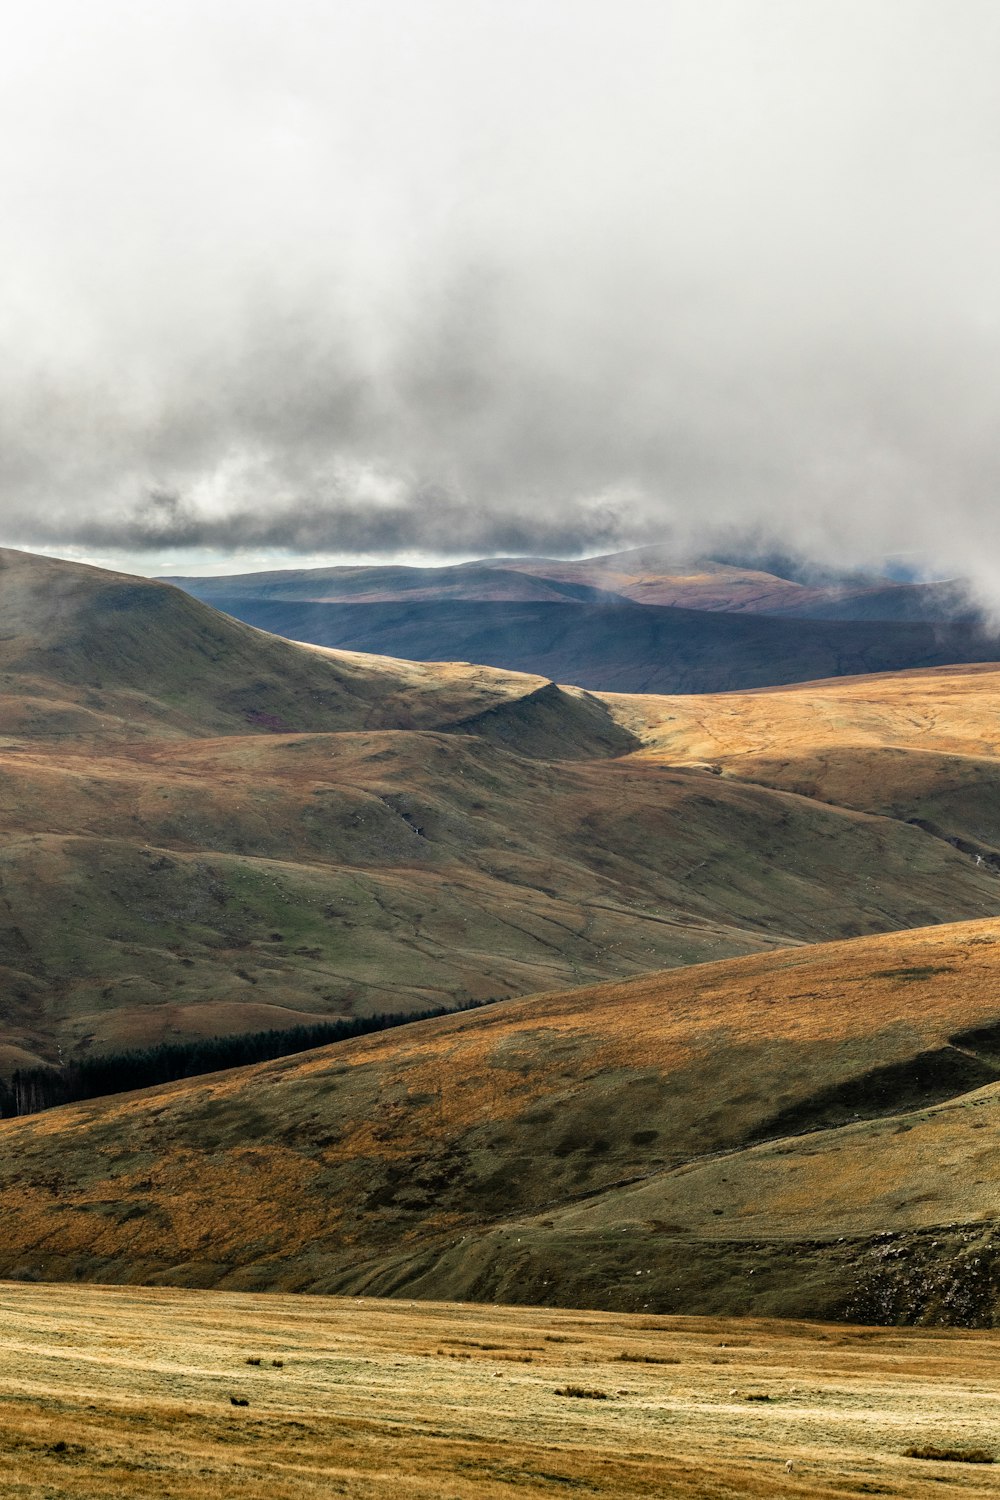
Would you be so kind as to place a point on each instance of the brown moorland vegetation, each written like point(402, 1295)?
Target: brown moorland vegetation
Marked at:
point(208, 830)
point(809, 1132)
point(211, 830)
point(133, 1392)
point(921, 747)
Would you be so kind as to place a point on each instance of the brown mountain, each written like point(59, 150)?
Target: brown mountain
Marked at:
point(638, 621)
point(807, 1133)
point(645, 575)
point(209, 830)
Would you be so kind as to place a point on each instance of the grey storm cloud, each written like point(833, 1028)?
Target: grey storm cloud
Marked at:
point(473, 276)
point(353, 527)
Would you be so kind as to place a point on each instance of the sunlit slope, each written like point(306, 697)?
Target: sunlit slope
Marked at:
point(923, 747)
point(952, 710)
point(549, 1149)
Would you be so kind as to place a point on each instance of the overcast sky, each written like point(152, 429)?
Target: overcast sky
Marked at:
point(317, 279)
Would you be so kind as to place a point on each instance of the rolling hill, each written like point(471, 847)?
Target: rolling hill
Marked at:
point(921, 747)
point(769, 585)
point(803, 1133)
point(89, 654)
point(209, 831)
point(638, 621)
point(625, 647)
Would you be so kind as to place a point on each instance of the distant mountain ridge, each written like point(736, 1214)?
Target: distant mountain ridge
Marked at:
point(644, 575)
point(625, 648)
point(629, 622)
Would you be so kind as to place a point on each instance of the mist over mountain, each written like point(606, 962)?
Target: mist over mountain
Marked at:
point(635, 621)
point(491, 279)
point(778, 585)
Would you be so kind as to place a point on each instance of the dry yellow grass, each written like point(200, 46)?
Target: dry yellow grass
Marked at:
point(920, 747)
point(393, 843)
point(949, 710)
point(127, 1392)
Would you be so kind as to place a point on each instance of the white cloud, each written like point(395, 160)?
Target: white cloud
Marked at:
point(458, 274)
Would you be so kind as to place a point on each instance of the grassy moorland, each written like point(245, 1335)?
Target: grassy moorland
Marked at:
point(223, 885)
point(918, 747)
point(802, 1133)
point(128, 1392)
point(211, 831)
point(208, 830)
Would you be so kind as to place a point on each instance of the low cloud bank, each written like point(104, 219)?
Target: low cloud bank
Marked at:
point(471, 278)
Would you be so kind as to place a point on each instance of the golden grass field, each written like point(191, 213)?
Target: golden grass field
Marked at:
point(108, 1393)
point(942, 709)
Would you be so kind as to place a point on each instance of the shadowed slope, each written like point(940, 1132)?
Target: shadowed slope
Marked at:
point(222, 885)
point(621, 647)
point(552, 1148)
point(454, 832)
point(552, 723)
point(381, 584)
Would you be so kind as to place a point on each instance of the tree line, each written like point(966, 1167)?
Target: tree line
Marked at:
point(32, 1089)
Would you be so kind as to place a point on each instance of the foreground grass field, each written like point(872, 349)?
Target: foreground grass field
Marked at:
point(129, 1392)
